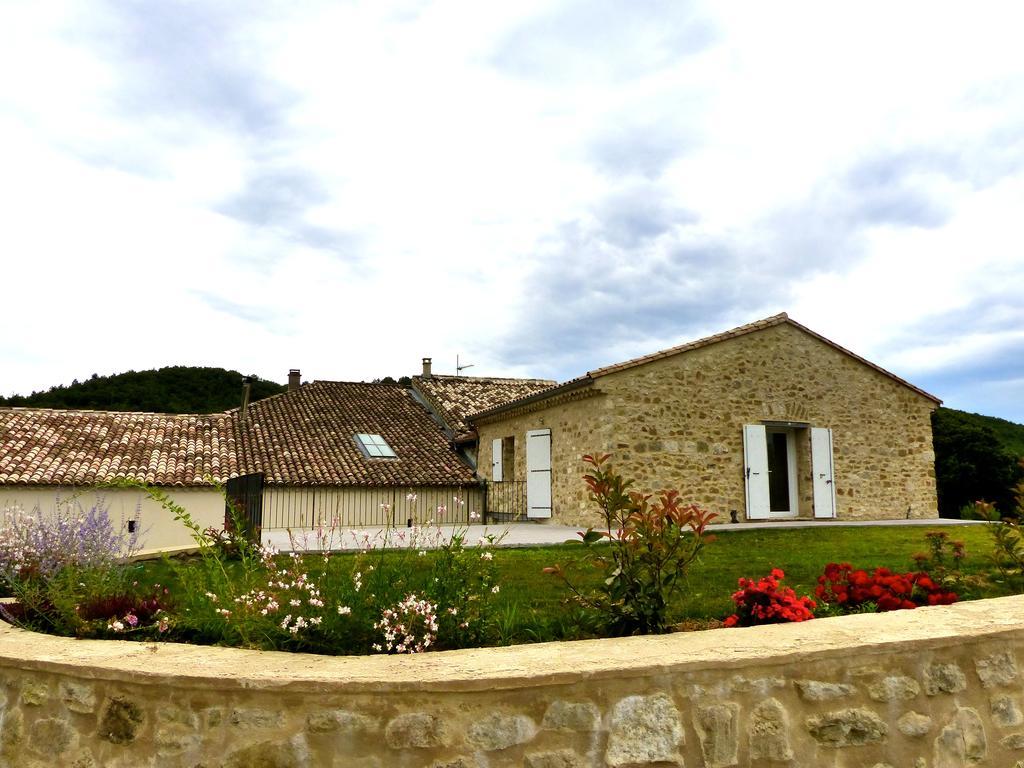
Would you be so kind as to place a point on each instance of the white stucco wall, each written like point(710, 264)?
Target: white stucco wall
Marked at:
point(159, 529)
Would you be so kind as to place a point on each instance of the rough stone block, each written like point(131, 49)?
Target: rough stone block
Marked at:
point(853, 727)
point(416, 730)
point(341, 721)
point(458, 762)
point(1014, 741)
point(815, 690)
point(213, 717)
point(77, 697)
point(175, 738)
point(914, 724)
point(347, 761)
point(961, 742)
point(717, 729)
point(944, 678)
point(562, 758)
point(762, 685)
point(997, 669)
point(894, 688)
point(1005, 711)
point(257, 718)
point(122, 719)
point(768, 730)
point(581, 716)
point(12, 730)
point(501, 731)
point(50, 736)
point(34, 694)
point(270, 754)
point(644, 729)
point(177, 716)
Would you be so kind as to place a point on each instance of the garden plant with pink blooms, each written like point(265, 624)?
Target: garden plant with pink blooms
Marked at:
point(400, 591)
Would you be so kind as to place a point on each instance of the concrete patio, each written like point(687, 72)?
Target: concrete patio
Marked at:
point(525, 534)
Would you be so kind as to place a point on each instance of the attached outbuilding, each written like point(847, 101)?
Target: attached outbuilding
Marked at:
point(768, 421)
point(54, 460)
point(344, 454)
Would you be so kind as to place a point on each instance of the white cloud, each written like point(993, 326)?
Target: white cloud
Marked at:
point(345, 188)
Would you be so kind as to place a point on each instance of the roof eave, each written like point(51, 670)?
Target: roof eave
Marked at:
point(569, 386)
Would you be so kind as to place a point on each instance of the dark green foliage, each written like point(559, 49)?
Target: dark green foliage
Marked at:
point(403, 381)
point(1009, 434)
point(175, 389)
point(974, 461)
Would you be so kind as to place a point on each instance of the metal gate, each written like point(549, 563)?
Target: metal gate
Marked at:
point(243, 505)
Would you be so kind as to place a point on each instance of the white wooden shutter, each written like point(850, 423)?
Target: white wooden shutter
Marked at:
point(821, 470)
point(497, 472)
point(538, 473)
point(755, 470)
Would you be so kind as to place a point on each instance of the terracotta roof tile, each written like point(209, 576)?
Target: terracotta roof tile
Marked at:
point(455, 397)
point(307, 437)
point(57, 447)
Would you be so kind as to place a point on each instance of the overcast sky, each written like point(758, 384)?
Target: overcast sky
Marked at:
point(541, 188)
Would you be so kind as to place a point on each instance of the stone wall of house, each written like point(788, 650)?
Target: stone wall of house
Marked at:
point(678, 422)
point(578, 428)
point(931, 688)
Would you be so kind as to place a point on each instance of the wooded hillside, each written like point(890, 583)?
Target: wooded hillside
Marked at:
point(976, 457)
point(175, 389)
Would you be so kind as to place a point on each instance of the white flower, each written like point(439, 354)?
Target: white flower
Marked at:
point(495, 589)
point(486, 555)
point(344, 610)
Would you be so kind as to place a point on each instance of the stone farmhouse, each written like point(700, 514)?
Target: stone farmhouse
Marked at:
point(766, 421)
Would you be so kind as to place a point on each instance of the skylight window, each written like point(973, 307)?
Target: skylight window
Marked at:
point(375, 446)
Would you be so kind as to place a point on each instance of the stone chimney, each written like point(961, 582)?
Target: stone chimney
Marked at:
point(294, 379)
point(246, 391)
point(426, 367)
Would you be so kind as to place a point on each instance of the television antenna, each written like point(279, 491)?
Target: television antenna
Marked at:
point(460, 368)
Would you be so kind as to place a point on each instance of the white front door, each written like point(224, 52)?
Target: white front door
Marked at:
point(755, 460)
point(770, 472)
point(538, 473)
point(821, 470)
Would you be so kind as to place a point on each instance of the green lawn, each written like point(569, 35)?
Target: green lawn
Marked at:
point(801, 552)
point(532, 605)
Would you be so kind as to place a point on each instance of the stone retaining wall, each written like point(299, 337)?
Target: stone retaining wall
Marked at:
point(931, 688)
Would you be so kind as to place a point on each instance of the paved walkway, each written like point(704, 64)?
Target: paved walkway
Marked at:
point(527, 534)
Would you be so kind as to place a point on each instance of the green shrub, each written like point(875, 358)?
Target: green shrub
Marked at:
point(643, 549)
